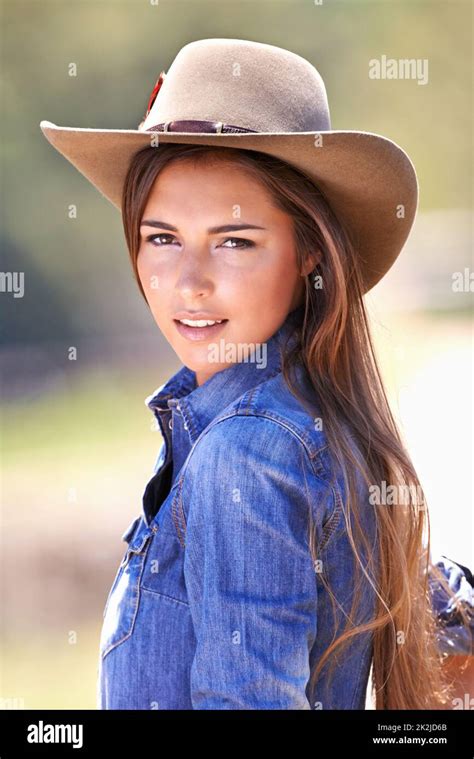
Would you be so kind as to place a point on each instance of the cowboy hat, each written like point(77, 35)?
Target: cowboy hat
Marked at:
point(243, 94)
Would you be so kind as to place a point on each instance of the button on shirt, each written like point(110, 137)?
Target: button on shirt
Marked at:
point(164, 403)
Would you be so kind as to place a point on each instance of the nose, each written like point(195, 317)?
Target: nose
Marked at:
point(194, 280)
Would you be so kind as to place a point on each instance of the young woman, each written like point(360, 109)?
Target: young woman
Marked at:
point(268, 568)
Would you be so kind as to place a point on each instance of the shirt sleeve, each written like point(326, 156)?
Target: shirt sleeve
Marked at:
point(248, 570)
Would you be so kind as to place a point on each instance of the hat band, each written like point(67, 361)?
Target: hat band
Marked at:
point(197, 126)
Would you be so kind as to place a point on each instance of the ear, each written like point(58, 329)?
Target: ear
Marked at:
point(310, 263)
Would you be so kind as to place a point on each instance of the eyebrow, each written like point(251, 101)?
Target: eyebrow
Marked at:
point(212, 230)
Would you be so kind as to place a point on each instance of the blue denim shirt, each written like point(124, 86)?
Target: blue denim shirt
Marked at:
point(217, 603)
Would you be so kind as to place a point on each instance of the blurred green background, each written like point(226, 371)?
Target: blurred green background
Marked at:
point(78, 444)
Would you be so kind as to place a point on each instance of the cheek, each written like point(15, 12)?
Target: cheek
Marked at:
point(143, 265)
point(281, 275)
point(152, 276)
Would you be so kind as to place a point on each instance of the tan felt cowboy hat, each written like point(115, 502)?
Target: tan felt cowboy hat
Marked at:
point(237, 93)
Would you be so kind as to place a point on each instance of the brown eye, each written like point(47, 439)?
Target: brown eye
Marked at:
point(151, 238)
point(246, 243)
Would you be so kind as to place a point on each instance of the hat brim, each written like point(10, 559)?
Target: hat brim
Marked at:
point(369, 180)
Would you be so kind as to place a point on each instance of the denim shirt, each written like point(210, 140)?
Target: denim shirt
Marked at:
point(217, 603)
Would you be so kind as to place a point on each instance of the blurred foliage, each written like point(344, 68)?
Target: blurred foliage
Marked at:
point(50, 672)
point(77, 271)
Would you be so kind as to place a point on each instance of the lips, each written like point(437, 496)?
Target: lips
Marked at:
point(198, 315)
point(197, 334)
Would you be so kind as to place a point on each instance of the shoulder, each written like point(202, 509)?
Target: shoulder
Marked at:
point(285, 414)
point(275, 443)
point(266, 427)
point(260, 458)
point(274, 400)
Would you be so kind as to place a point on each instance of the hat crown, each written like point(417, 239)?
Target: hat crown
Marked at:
point(253, 85)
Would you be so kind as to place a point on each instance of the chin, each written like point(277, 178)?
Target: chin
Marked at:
point(195, 359)
point(201, 367)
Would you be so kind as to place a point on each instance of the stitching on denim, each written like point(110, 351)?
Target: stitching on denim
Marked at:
point(313, 454)
point(121, 568)
point(286, 425)
point(181, 511)
point(164, 595)
point(270, 415)
point(249, 402)
point(254, 391)
point(189, 422)
point(142, 556)
point(333, 521)
point(174, 513)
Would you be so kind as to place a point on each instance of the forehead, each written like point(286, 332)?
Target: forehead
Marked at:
point(208, 186)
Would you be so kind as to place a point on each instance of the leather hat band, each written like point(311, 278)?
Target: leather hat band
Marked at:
point(197, 126)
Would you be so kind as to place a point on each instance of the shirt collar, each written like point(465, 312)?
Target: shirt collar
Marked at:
point(199, 405)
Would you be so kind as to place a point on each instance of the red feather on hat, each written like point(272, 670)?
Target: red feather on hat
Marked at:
point(153, 95)
point(155, 92)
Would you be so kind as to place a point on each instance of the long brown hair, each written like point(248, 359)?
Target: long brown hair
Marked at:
point(335, 346)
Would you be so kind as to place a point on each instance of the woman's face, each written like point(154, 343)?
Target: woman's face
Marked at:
point(213, 245)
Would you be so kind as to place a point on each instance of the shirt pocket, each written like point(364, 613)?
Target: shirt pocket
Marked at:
point(163, 566)
point(122, 601)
